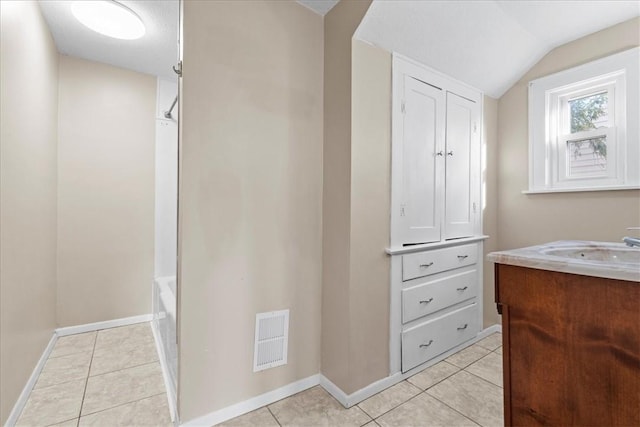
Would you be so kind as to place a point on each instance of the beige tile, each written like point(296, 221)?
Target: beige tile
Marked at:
point(491, 342)
point(318, 408)
point(63, 369)
point(70, 423)
point(388, 399)
point(51, 405)
point(488, 368)
point(433, 375)
point(498, 350)
point(72, 344)
point(473, 397)
point(152, 411)
point(371, 424)
point(124, 335)
point(423, 410)
point(115, 358)
point(260, 417)
point(119, 387)
point(466, 357)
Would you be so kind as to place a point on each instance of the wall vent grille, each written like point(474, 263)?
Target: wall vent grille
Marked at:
point(272, 340)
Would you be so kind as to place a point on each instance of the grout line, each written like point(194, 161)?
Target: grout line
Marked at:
point(400, 404)
point(51, 356)
point(370, 420)
point(395, 407)
point(86, 382)
point(483, 379)
point(480, 345)
point(125, 403)
point(60, 422)
point(469, 364)
point(273, 415)
point(124, 369)
point(57, 384)
point(438, 382)
point(365, 412)
point(454, 409)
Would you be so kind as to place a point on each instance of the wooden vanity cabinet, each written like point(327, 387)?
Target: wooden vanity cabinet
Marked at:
point(571, 348)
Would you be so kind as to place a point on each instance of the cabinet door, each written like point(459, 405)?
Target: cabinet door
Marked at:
point(462, 167)
point(423, 137)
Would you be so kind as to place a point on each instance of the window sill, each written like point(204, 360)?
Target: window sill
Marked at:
point(578, 190)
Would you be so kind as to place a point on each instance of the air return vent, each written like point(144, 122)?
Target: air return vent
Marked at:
point(272, 338)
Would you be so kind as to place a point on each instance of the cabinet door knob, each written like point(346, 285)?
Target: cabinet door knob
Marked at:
point(440, 153)
point(427, 344)
point(450, 153)
point(463, 327)
point(426, 301)
point(426, 265)
point(461, 257)
point(463, 289)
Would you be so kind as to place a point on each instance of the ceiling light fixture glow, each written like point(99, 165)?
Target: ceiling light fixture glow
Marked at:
point(109, 18)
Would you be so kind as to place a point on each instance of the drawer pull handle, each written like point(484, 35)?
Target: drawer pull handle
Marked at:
point(463, 327)
point(426, 301)
point(463, 289)
point(427, 344)
point(426, 265)
point(461, 257)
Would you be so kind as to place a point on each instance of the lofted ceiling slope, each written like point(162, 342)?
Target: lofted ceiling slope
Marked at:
point(321, 7)
point(155, 53)
point(489, 45)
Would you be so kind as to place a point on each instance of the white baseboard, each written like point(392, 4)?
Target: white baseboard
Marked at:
point(31, 382)
point(488, 331)
point(348, 400)
point(254, 403)
point(171, 392)
point(90, 327)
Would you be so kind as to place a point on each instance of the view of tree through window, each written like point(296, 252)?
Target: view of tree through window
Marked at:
point(588, 113)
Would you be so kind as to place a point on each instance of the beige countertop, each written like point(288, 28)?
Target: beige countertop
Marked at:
point(598, 259)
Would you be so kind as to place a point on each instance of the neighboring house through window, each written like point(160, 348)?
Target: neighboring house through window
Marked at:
point(583, 127)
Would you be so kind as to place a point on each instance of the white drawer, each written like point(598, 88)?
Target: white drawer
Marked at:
point(430, 262)
point(437, 294)
point(426, 341)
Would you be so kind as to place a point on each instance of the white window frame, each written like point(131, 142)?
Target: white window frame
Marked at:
point(619, 76)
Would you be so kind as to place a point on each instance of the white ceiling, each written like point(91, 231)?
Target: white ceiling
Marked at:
point(487, 44)
point(155, 53)
point(321, 7)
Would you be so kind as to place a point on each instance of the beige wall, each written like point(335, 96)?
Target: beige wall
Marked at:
point(490, 206)
point(370, 215)
point(251, 195)
point(531, 219)
point(28, 122)
point(106, 138)
point(339, 25)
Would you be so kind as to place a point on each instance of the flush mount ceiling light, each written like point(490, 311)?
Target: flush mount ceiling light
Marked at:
point(109, 18)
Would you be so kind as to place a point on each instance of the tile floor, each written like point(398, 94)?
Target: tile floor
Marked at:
point(112, 378)
point(463, 390)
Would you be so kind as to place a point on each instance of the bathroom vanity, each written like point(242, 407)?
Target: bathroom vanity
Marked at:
point(571, 333)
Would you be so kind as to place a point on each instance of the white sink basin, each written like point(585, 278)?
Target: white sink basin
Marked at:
point(606, 255)
point(598, 259)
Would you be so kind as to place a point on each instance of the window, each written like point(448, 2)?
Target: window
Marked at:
point(579, 135)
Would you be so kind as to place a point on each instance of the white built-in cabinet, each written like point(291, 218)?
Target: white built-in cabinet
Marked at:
point(436, 227)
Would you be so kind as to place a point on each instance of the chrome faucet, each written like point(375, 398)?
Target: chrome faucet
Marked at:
point(632, 241)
